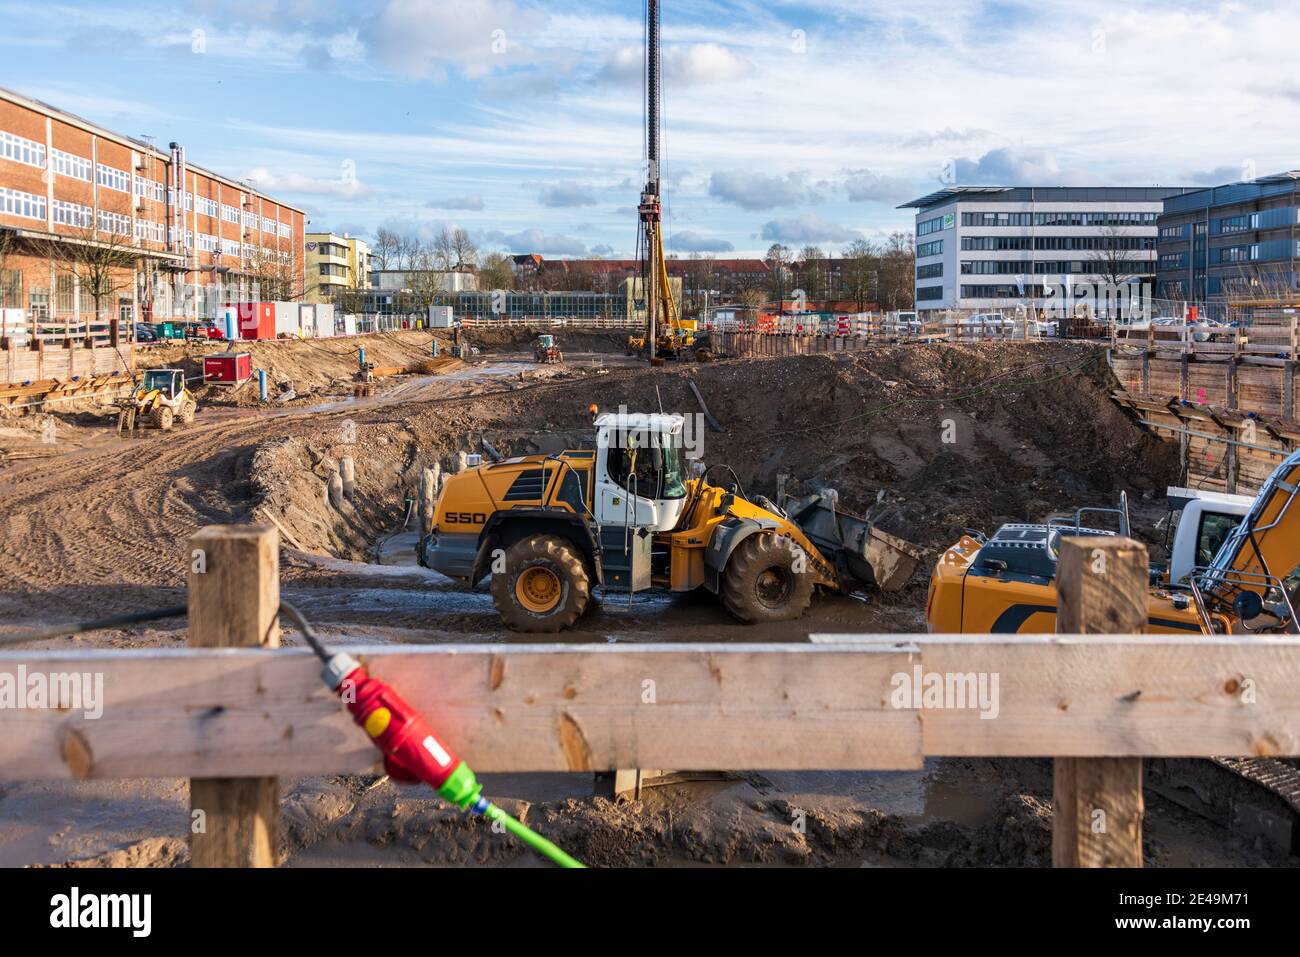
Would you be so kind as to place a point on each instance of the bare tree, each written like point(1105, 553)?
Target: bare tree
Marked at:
point(898, 272)
point(496, 272)
point(102, 262)
point(778, 261)
point(384, 252)
point(861, 274)
point(278, 275)
point(1116, 261)
point(463, 250)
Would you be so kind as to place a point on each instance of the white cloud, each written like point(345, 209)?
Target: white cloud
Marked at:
point(562, 195)
point(537, 241)
point(863, 186)
point(345, 187)
point(754, 191)
point(1014, 166)
point(683, 65)
point(473, 203)
point(422, 38)
point(808, 228)
point(689, 241)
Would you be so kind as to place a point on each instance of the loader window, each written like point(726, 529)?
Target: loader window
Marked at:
point(646, 478)
point(160, 380)
point(1215, 527)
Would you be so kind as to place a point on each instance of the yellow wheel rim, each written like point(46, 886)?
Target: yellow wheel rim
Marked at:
point(538, 589)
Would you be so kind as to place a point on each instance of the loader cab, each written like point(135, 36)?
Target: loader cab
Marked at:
point(641, 470)
point(169, 382)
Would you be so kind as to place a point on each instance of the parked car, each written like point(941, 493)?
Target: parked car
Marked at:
point(144, 332)
point(204, 330)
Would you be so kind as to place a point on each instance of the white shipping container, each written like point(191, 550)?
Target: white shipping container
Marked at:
point(440, 317)
point(287, 320)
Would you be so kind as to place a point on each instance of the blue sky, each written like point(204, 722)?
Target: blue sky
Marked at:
point(791, 122)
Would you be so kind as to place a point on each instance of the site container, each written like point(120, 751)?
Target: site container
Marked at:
point(256, 319)
point(228, 368)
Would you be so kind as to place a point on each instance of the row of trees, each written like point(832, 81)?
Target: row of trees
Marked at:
point(865, 273)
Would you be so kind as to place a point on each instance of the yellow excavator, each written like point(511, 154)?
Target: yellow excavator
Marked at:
point(1006, 583)
point(631, 515)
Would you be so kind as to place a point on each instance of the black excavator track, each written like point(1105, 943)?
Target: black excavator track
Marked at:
point(1255, 797)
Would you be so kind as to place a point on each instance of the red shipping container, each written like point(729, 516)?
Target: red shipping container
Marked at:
point(228, 368)
point(255, 320)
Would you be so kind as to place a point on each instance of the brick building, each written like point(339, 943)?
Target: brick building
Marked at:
point(96, 226)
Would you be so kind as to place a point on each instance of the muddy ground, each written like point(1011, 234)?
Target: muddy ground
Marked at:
point(927, 439)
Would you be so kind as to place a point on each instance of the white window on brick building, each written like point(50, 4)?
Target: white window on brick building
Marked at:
point(268, 225)
point(208, 207)
point(17, 203)
point(284, 231)
point(20, 150)
point(114, 223)
point(153, 232)
point(207, 244)
point(230, 214)
point(110, 177)
point(149, 189)
point(70, 165)
point(72, 214)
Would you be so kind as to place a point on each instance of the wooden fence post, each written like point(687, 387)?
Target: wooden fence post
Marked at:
point(234, 601)
point(1097, 819)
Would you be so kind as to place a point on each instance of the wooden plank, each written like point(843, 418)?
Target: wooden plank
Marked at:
point(234, 602)
point(1101, 589)
point(829, 705)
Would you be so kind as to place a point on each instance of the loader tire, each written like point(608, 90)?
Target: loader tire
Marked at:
point(760, 583)
point(187, 412)
point(160, 416)
point(544, 588)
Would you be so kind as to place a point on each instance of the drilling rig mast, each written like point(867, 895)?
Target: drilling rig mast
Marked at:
point(665, 335)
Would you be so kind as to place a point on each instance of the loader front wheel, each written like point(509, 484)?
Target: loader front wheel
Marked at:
point(766, 580)
point(544, 587)
point(161, 417)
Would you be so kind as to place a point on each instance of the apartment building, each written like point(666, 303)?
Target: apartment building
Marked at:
point(1240, 242)
point(334, 264)
point(1000, 248)
point(95, 225)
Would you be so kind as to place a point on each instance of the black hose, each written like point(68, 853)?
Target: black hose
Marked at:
point(97, 624)
point(309, 633)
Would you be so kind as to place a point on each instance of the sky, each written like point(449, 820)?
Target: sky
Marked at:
point(800, 123)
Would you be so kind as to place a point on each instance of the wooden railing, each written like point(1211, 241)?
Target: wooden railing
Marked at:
point(234, 710)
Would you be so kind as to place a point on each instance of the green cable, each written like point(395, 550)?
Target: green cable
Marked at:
point(530, 837)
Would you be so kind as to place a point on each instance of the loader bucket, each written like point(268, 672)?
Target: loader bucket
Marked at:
point(860, 552)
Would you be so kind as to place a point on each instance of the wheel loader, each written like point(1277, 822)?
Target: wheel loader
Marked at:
point(161, 399)
point(1007, 583)
point(631, 515)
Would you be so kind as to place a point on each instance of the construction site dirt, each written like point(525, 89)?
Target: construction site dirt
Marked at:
point(927, 440)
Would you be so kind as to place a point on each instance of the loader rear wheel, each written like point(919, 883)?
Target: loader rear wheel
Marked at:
point(160, 416)
point(187, 412)
point(544, 587)
point(761, 582)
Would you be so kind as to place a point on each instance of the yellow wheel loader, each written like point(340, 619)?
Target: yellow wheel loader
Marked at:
point(1006, 583)
point(161, 400)
point(631, 515)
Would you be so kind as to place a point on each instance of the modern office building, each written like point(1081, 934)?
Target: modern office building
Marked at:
point(1000, 248)
point(335, 263)
point(96, 226)
point(1238, 242)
